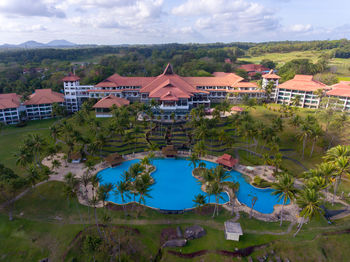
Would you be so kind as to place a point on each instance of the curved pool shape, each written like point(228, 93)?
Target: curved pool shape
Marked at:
point(175, 186)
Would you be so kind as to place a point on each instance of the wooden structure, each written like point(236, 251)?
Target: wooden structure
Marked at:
point(114, 159)
point(227, 161)
point(76, 157)
point(169, 151)
point(233, 231)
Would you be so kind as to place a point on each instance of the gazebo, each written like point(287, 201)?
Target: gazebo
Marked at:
point(114, 159)
point(237, 109)
point(169, 151)
point(227, 161)
point(233, 231)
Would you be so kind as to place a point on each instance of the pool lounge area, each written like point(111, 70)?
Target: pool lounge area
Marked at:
point(175, 186)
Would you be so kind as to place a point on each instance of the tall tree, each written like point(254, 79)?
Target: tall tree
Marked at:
point(284, 189)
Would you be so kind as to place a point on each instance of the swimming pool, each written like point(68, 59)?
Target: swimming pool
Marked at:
point(175, 186)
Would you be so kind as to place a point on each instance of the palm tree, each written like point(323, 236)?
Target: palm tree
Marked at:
point(122, 189)
point(143, 187)
point(295, 121)
point(303, 135)
point(103, 192)
point(339, 157)
point(55, 164)
point(234, 186)
point(315, 133)
point(94, 180)
point(284, 189)
point(277, 161)
point(23, 157)
point(199, 201)
point(216, 189)
point(277, 124)
point(309, 201)
point(33, 175)
point(254, 199)
point(295, 101)
point(194, 159)
point(94, 202)
point(71, 184)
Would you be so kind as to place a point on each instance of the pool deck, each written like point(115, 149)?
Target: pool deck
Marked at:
point(290, 211)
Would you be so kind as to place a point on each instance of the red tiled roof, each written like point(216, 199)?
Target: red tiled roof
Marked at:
point(271, 75)
point(237, 109)
point(44, 96)
point(227, 160)
point(71, 78)
point(220, 79)
point(303, 83)
point(109, 101)
point(254, 68)
point(340, 89)
point(245, 84)
point(10, 100)
point(117, 80)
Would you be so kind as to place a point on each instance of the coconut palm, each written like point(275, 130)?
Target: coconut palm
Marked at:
point(55, 164)
point(216, 189)
point(254, 199)
point(103, 192)
point(234, 186)
point(284, 189)
point(94, 201)
point(199, 201)
point(309, 202)
point(277, 161)
point(304, 135)
point(71, 189)
point(315, 133)
point(33, 175)
point(143, 187)
point(122, 189)
point(94, 180)
point(194, 159)
point(295, 101)
point(295, 121)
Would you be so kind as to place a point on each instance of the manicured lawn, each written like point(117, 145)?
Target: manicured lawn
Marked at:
point(12, 137)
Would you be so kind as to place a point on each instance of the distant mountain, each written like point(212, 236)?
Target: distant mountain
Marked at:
point(60, 43)
point(34, 44)
point(31, 44)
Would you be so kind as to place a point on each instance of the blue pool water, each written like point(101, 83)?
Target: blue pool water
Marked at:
point(175, 186)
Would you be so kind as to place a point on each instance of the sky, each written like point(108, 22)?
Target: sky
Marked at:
point(168, 21)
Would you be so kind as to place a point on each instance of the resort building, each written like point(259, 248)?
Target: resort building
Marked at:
point(254, 69)
point(303, 86)
point(341, 93)
point(171, 92)
point(74, 93)
point(39, 104)
point(271, 77)
point(10, 108)
point(104, 106)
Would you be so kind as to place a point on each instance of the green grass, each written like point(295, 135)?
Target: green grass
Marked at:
point(12, 137)
point(341, 64)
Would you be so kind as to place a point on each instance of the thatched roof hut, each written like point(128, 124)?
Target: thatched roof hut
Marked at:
point(114, 159)
point(76, 157)
point(169, 151)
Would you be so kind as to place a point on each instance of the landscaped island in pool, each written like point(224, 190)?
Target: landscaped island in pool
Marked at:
point(175, 186)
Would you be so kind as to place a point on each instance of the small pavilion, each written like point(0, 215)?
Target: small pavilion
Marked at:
point(227, 161)
point(233, 231)
point(237, 109)
point(114, 159)
point(169, 151)
point(104, 106)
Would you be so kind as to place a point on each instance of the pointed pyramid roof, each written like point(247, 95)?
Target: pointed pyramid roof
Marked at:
point(168, 70)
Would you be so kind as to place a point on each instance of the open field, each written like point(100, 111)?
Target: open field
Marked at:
point(341, 64)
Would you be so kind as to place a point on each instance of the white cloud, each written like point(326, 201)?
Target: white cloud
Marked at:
point(300, 28)
point(45, 8)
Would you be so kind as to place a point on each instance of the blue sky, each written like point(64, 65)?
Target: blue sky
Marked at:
point(164, 21)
